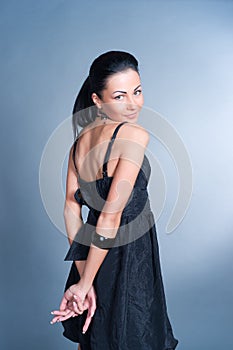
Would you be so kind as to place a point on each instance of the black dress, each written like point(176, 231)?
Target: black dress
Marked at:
point(131, 309)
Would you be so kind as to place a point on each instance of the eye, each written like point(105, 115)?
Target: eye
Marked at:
point(138, 92)
point(119, 97)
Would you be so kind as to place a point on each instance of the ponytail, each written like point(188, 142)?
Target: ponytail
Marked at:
point(82, 113)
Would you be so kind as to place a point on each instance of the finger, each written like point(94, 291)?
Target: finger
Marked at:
point(80, 306)
point(55, 319)
point(86, 304)
point(60, 313)
point(63, 318)
point(76, 309)
point(70, 305)
point(87, 322)
point(79, 302)
point(92, 307)
point(64, 301)
point(63, 304)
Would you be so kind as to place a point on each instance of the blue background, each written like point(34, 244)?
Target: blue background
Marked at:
point(185, 50)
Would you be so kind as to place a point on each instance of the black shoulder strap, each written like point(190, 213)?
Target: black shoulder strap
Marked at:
point(73, 155)
point(106, 158)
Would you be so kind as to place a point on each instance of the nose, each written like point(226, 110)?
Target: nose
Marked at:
point(130, 104)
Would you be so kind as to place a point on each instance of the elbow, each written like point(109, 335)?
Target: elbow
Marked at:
point(66, 211)
point(71, 210)
point(108, 224)
point(109, 220)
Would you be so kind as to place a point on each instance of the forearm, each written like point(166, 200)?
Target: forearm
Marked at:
point(73, 222)
point(71, 232)
point(106, 226)
point(94, 260)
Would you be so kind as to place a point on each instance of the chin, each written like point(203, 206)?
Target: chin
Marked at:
point(132, 120)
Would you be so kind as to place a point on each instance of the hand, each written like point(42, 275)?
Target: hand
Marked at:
point(73, 304)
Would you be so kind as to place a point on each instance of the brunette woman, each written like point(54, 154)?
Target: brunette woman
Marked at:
point(114, 296)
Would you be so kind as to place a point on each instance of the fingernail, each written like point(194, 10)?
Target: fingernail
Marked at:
point(51, 322)
point(51, 312)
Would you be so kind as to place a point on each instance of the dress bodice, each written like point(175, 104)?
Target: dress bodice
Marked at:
point(94, 193)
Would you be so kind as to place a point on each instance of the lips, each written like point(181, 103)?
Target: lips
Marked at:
point(132, 115)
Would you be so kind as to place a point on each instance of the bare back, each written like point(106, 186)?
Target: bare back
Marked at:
point(91, 151)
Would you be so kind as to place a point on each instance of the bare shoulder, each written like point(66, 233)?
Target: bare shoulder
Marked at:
point(135, 132)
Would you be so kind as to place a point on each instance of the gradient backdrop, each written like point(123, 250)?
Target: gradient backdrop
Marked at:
point(185, 50)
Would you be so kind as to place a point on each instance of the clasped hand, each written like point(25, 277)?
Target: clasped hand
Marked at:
point(75, 300)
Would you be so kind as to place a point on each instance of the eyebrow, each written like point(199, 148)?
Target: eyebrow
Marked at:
point(124, 92)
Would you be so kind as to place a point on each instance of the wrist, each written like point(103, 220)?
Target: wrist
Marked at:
point(85, 283)
point(101, 241)
point(80, 265)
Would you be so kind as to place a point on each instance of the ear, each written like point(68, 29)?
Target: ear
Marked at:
point(96, 100)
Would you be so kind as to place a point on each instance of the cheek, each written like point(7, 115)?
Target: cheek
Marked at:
point(140, 101)
point(114, 107)
point(118, 106)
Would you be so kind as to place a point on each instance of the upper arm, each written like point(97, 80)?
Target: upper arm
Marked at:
point(131, 147)
point(71, 186)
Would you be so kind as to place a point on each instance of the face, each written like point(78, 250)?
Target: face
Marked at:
point(122, 99)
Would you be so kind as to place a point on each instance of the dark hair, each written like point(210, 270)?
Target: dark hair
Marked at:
point(101, 69)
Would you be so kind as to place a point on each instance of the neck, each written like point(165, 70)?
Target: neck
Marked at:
point(103, 117)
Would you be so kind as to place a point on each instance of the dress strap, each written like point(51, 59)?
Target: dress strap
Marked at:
point(73, 154)
point(106, 158)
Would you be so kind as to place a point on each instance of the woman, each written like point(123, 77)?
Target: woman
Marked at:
point(114, 296)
